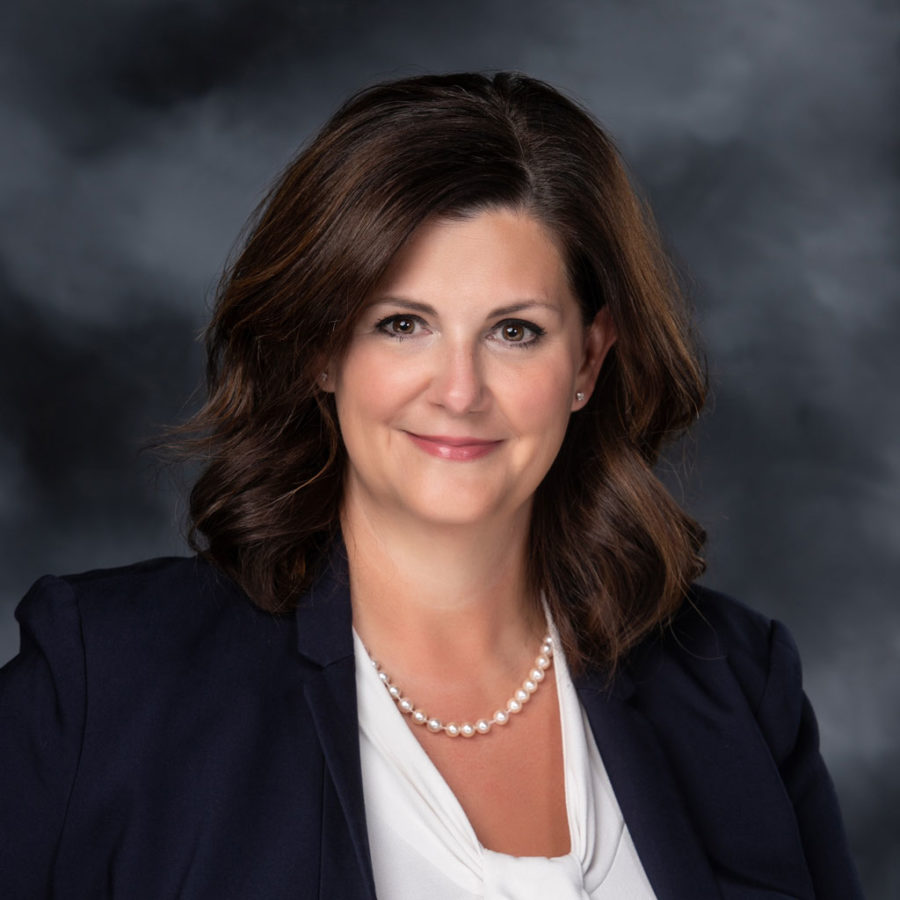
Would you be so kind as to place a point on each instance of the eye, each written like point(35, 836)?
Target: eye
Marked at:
point(399, 326)
point(402, 325)
point(515, 331)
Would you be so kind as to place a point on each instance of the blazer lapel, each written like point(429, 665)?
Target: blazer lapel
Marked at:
point(648, 795)
point(324, 638)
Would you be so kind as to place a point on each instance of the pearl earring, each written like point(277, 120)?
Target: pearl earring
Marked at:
point(324, 377)
point(579, 396)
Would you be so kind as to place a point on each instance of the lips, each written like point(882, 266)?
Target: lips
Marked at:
point(460, 449)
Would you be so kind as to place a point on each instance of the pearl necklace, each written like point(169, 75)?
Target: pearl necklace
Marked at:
point(482, 726)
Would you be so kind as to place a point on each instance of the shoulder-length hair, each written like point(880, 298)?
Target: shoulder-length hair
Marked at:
point(611, 551)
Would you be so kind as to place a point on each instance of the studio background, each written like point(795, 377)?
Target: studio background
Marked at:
point(138, 136)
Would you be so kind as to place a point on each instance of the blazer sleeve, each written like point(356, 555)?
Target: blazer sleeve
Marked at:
point(789, 724)
point(42, 714)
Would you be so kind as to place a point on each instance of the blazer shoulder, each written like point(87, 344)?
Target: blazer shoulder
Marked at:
point(56, 598)
point(167, 576)
point(713, 633)
point(153, 583)
point(712, 623)
point(158, 609)
point(149, 575)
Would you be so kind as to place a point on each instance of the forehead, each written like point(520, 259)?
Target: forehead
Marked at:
point(503, 252)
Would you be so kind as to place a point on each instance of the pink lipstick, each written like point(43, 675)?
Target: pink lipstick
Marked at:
point(460, 449)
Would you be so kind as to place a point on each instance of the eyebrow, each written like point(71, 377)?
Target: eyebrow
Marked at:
point(500, 311)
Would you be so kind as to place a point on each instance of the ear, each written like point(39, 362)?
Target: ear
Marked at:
point(325, 378)
point(599, 336)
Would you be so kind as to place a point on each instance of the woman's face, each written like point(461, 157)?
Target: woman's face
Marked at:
point(454, 394)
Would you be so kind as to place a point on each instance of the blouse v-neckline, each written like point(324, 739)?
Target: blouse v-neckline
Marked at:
point(421, 838)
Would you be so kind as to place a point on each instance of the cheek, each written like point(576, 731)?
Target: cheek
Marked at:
point(542, 401)
point(368, 387)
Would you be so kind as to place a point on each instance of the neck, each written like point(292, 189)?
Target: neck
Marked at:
point(441, 596)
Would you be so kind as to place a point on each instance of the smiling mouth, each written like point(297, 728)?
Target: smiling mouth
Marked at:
point(460, 449)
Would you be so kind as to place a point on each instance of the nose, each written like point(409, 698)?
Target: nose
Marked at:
point(457, 382)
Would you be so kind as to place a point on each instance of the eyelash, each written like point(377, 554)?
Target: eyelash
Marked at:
point(536, 330)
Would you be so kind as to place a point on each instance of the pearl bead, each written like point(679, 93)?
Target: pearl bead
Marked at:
point(481, 726)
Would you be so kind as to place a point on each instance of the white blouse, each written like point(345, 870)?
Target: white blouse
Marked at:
point(423, 845)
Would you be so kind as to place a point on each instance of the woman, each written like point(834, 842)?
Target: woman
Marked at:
point(440, 638)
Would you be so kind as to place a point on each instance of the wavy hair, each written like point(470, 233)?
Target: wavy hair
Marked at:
point(611, 550)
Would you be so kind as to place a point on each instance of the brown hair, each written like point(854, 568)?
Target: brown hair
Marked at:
point(610, 549)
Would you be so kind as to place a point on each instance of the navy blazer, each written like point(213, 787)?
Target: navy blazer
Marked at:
point(162, 737)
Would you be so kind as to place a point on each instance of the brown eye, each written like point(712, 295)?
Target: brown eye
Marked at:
point(518, 332)
point(402, 325)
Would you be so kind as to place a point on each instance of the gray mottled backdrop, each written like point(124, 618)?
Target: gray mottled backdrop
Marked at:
point(138, 135)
